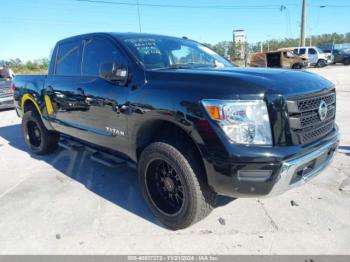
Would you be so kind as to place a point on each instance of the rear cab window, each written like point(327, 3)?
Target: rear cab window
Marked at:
point(302, 51)
point(312, 51)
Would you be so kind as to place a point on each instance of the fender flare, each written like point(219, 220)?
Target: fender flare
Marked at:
point(26, 97)
point(47, 100)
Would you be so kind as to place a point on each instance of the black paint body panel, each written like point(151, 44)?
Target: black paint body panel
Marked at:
point(174, 96)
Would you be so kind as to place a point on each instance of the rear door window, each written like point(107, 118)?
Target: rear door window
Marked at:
point(98, 51)
point(68, 61)
point(312, 51)
point(302, 51)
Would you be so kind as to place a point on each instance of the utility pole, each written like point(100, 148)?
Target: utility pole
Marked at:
point(303, 22)
point(138, 14)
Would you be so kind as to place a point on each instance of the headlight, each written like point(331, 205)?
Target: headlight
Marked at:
point(243, 121)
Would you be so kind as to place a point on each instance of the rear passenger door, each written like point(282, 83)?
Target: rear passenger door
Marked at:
point(312, 54)
point(61, 88)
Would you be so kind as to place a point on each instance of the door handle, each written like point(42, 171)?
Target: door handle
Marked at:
point(80, 91)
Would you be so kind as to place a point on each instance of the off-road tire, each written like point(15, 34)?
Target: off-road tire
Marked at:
point(48, 139)
point(199, 199)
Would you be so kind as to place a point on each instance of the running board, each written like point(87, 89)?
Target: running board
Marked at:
point(70, 145)
point(107, 159)
point(97, 155)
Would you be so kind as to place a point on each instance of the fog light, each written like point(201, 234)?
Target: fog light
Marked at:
point(254, 175)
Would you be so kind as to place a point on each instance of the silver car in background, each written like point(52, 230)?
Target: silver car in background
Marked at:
point(6, 94)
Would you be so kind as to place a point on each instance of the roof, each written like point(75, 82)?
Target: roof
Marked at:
point(117, 35)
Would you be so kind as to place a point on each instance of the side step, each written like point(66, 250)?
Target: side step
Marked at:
point(107, 159)
point(97, 155)
point(70, 145)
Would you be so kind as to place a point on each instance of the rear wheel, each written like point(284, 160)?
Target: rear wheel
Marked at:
point(173, 186)
point(347, 61)
point(39, 140)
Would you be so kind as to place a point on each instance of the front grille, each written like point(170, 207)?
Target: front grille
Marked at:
point(304, 120)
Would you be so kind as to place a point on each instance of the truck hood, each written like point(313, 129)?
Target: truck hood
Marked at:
point(243, 81)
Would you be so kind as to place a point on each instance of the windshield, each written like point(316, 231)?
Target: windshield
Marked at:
point(319, 50)
point(157, 52)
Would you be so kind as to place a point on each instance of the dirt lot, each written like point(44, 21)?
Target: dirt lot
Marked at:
point(66, 204)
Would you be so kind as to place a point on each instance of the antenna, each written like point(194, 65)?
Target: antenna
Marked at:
point(138, 13)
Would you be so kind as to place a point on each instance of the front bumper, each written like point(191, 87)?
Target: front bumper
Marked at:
point(271, 178)
point(296, 172)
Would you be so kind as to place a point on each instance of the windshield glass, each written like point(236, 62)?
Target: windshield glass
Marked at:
point(319, 50)
point(159, 52)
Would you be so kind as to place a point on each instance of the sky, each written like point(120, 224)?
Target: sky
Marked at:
point(30, 29)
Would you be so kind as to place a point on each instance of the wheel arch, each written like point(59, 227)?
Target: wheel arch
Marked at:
point(294, 65)
point(160, 129)
point(28, 101)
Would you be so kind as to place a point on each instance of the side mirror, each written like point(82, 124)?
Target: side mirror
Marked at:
point(114, 73)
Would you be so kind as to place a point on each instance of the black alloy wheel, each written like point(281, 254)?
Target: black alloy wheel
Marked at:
point(173, 186)
point(164, 187)
point(38, 139)
point(34, 133)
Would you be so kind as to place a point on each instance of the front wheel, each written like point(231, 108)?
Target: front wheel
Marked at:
point(321, 63)
point(173, 186)
point(39, 140)
point(297, 66)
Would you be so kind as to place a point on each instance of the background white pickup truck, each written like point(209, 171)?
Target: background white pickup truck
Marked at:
point(316, 56)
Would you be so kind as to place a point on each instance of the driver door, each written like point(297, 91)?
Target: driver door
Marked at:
point(337, 56)
point(106, 117)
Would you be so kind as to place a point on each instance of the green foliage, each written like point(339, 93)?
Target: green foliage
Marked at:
point(224, 48)
point(317, 40)
point(227, 48)
point(39, 66)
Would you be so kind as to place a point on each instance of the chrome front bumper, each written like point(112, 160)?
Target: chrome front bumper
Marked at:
point(289, 170)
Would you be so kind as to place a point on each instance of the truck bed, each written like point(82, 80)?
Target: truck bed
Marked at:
point(32, 81)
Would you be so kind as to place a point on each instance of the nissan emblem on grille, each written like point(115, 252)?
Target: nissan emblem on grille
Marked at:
point(311, 118)
point(322, 110)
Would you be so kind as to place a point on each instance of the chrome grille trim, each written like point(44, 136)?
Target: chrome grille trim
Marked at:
point(304, 120)
point(308, 104)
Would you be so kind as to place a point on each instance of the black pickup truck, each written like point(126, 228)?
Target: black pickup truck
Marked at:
point(194, 124)
point(341, 56)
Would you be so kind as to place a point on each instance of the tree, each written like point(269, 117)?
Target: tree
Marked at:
point(219, 48)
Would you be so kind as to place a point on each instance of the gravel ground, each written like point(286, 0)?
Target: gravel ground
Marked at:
point(66, 204)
